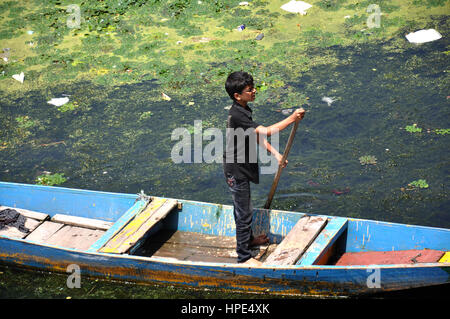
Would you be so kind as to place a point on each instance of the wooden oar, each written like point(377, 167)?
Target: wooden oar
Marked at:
point(280, 167)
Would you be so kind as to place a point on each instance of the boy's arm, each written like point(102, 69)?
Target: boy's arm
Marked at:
point(297, 115)
point(261, 140)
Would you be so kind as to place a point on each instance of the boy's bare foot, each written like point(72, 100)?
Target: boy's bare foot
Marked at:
point(259, 240)
point(253, 262)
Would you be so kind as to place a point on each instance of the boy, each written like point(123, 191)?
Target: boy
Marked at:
point(239, 171)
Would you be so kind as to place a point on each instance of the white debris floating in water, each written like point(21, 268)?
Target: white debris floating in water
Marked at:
point(286, 111)
point(296, 7)
point(58, 101)
point(165, 97)
point(423, 36)
point(328, 100)
point(19, 77)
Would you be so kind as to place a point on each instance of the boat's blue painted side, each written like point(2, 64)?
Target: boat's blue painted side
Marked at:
point(367, 235)
point(218, 220)
point(59, 200)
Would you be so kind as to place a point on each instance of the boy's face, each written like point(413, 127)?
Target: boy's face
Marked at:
point(248, 95)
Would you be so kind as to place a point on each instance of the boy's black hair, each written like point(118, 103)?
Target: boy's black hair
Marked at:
point(236, 82)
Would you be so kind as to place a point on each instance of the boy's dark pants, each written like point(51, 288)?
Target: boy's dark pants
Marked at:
point(243, 213)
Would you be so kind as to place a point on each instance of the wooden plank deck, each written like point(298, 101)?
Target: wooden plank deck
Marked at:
point(297, 241)
point(55, 233)
point(43, 232)
point(75, 237)
point(194, 247)
point(62, 230)
point(156, 210)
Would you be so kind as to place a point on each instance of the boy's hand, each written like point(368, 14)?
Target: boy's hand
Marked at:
point(298, 114)
point(279, 157)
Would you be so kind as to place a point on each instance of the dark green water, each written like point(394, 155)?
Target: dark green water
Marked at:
point(110, 145)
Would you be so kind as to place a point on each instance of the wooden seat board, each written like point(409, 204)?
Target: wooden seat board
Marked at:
point(445, 258)
point(321, 250)
point(137, 227)
point(137, 207)
point(82, 222)
point(297, 241)
point(28, 213)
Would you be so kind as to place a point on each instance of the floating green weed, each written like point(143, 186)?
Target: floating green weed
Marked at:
point(293, 99)
point(25, 122)
point(385, 5)
point(145, 115)
point(368, 160)
point(430, 3)
point(443, 131)
point(331, 5)
point(421, 183)
point(261, 87)
point(70, 106)
point(413, 128)
point(50, 179)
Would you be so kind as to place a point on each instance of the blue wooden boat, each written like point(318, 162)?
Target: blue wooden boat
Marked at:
point(180, 242)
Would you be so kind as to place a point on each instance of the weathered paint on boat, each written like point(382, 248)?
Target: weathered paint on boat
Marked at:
point(304, 278)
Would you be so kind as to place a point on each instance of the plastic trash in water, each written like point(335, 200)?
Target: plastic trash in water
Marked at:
point(241, 27)
point(328, 100)
point(243, 3)
point(58, 101)
point(287, 111)
point(165, 97)
point(296, 7)
point(19, 77)
point(423, 36)
point(5, 54)
point(259, 36)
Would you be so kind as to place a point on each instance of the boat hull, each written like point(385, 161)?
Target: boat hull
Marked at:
point(312, 280)
point(217, 220)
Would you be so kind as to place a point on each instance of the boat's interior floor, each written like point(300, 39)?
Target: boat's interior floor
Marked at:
point(80, 233)
point(61, 230)
point(192, 246)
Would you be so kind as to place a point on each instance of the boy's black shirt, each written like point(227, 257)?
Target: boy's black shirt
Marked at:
point(241, 117)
